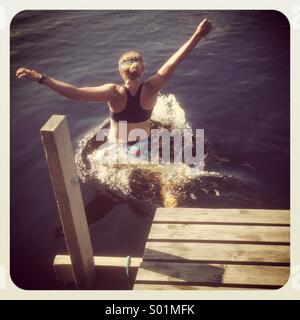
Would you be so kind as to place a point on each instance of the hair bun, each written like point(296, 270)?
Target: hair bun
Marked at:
point(135, 69)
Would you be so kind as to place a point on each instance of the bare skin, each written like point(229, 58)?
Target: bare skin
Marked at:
point(114, 95)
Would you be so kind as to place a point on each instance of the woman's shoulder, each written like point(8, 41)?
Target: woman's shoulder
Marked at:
point(118, 88)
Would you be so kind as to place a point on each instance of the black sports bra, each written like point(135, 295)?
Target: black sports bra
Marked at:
point(133, 112)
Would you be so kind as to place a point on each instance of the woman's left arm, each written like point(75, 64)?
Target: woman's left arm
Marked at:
point(102, 93)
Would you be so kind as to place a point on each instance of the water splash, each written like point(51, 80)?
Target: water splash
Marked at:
point(150, 185)
point(168, 113)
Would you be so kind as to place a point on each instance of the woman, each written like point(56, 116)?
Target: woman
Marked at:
point(133, 101)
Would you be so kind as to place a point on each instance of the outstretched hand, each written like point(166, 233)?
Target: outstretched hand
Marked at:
point(29, 74)
point(204, 27)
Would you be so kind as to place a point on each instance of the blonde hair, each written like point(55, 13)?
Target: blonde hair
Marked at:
point(131, 65)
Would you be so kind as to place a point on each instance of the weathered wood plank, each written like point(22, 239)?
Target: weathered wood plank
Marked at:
point(103, 267)
point(212, 274)
point(59, 154)
point(198, 215)
point(217, 252)
point(227, 249)
point(219, 233)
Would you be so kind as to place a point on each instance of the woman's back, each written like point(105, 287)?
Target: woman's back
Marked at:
point(134, 105)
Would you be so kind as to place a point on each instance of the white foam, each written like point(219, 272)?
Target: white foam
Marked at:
point(168, 112)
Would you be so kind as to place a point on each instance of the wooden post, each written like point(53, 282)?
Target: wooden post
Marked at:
point(59, 154)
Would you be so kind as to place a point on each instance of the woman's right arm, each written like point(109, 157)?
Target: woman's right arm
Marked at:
point(102, 93)
point(160, 78)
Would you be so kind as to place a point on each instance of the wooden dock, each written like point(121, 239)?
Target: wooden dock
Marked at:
point(187, 248)
point(216, 249)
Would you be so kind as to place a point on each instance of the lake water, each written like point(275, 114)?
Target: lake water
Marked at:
point(235, 85)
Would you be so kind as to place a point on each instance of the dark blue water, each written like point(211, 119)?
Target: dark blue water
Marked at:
point(235, 85)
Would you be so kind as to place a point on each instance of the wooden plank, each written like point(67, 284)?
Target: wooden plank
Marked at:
point(212, 274)
point(194, 249)
point(198, 232)
point(171, 251)
point(247, 216)
point(59, 154)
point(117, 261)
point(103, 267)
